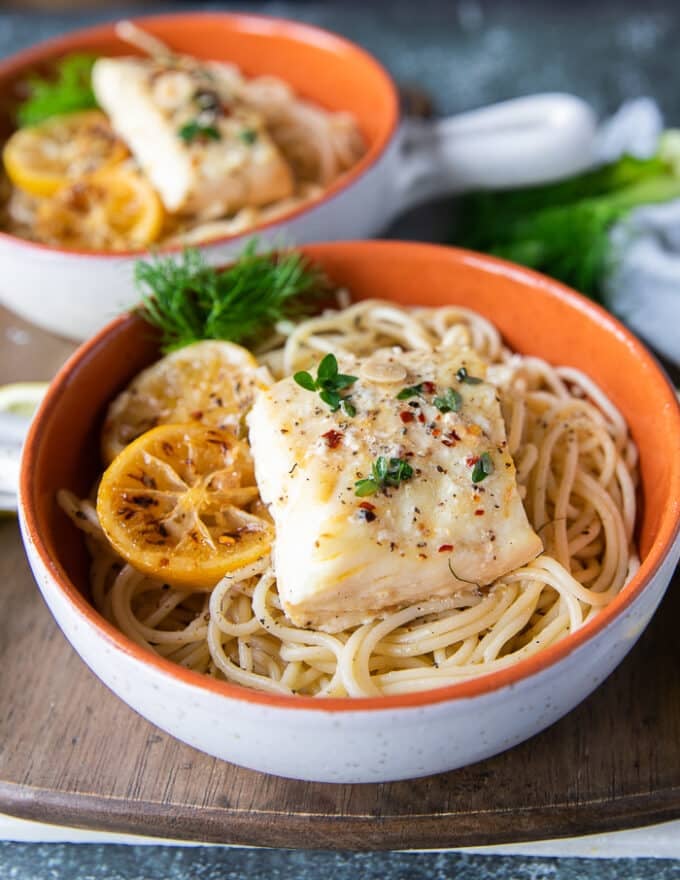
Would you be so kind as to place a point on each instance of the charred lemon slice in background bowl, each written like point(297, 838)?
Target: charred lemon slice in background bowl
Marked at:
point(41, 159)
point(114, 208)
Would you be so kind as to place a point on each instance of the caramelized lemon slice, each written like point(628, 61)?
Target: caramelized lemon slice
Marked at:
point(211, 382)
point(44, 158)
point(181, 504)
point(114, 209)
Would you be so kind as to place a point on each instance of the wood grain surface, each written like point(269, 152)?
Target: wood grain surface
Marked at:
point(72, 753)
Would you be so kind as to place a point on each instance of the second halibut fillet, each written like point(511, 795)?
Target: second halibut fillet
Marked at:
point(229, 164)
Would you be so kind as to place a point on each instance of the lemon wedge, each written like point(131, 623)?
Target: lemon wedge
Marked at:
point(21, 398)
point(18, 402)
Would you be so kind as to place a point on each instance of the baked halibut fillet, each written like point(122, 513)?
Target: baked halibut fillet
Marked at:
point(343, 558)
point(205, 153)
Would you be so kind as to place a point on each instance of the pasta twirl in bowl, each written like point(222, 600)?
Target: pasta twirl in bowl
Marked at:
point(451, 520)
point(197, 128)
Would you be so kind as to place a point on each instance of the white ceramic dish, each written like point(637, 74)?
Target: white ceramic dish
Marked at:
point(528, 140)
point(385, 738)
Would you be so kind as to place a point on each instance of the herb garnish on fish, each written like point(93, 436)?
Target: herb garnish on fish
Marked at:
point(384, 472)
point(329, 383)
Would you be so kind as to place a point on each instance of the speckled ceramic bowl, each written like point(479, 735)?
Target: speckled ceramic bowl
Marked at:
point(386, 738)
point(523, 141)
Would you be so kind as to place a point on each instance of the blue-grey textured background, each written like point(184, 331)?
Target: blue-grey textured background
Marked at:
point(465, 53)
point(89, 862)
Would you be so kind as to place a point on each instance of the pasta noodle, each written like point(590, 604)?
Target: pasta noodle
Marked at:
point(576, 467)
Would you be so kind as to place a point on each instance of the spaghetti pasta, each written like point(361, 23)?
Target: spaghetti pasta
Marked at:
point(576, 468)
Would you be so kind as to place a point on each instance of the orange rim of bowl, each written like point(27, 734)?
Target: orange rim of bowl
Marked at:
point(306, 33)
point(480, 685)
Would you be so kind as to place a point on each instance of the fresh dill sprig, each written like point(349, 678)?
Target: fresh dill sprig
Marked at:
point(189, 300)
point(68, 91)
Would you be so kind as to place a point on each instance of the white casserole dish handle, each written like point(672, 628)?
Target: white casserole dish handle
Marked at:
point(515, 143)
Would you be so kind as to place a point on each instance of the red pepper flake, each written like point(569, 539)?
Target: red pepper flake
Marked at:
point(454, 435)
point(333, 438)
point(472, 460)
point(446, 548)
point(366, 505)
point(406, 416)
point(436, 432)
point(428, 387)
point(479, 512)
point(421, 417)
point(448, 442)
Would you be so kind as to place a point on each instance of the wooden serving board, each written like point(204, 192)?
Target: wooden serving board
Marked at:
point(71, 753)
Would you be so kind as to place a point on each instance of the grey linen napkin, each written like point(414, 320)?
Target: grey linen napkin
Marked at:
point(642, 284)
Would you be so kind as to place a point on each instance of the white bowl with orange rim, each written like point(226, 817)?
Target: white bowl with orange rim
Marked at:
point(527, 140)
point(367, 739)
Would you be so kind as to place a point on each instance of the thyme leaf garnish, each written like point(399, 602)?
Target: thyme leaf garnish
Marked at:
point(329, 383)
point(410, 391)
point(384, 473)
point(194, 130)
point(450, 401)
point(463, 376)
point(483, 467)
